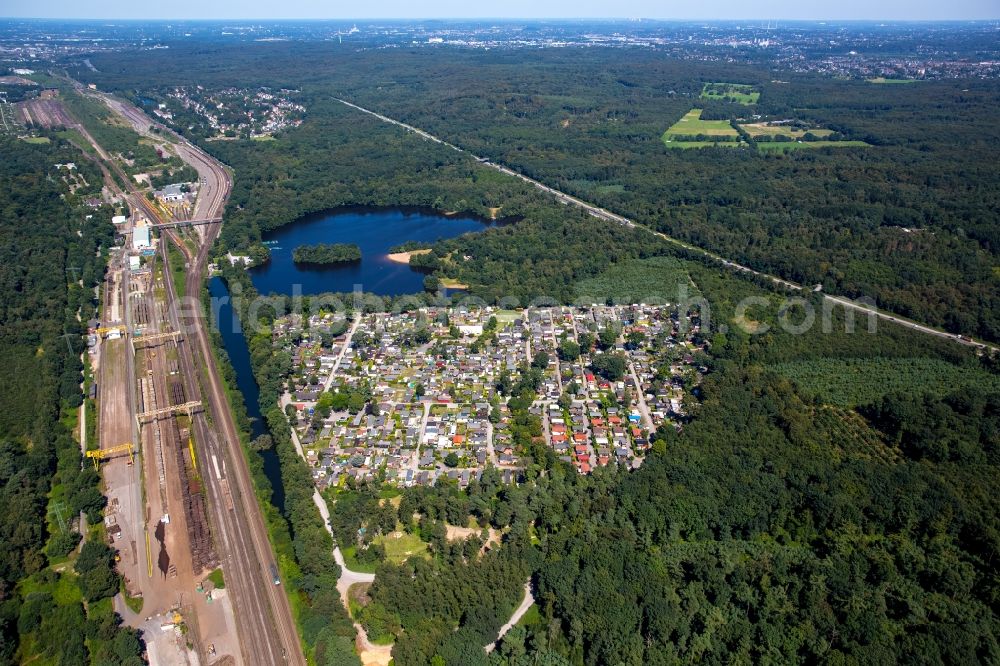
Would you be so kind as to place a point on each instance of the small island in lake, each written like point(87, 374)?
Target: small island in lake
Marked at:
point(327, 253)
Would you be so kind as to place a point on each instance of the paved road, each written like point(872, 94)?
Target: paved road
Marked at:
point(343, 351)
point(640, 399)
point(603, 214)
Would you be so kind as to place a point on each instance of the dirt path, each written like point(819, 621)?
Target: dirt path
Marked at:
point(519, 612)
point(456, 533)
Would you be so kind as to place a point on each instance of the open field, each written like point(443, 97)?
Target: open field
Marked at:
point(657, 279)
point(882, 79)
point(853, 382)
point(692, 124)
point(399, 546)
point(782, 146)
point(452, 283)
point(741, 93)
point(767, 130)
point(691, 129)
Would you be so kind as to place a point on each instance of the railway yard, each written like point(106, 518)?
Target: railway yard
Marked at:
point(181, 504)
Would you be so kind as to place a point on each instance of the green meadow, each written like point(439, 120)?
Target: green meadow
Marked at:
point(691, 131)
point(741, 93)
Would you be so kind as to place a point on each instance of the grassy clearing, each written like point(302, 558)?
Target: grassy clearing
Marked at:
point(452, 283)
point(784, 146)
point(400, 546)
point(389, 492)
point(882, 79)
point(218, 580)
point(853, 382)
point(351, 560)
point(134, 603)
point(693, 132)
point(757, 130)
point(37, 139)
point(177, 267)
point(692, 124)
point(507, 316)
point(66, 591)
point(740, 93)
point(657, 279)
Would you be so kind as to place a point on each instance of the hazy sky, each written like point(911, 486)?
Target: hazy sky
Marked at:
point(666, 9)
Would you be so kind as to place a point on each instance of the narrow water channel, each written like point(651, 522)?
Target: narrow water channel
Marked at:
point(239, 356)
point(375, 231)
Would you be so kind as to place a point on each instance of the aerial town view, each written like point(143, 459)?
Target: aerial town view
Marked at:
point(499, 335)
point(434, 384)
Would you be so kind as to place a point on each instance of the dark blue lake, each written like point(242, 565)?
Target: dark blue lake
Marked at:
point(375, 231)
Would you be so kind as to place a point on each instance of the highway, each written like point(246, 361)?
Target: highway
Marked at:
point(603, 214)
point(266, 628)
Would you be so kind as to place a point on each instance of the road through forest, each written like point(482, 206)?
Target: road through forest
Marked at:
point(603, 214)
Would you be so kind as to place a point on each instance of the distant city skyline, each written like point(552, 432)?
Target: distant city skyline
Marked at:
point(895, 10)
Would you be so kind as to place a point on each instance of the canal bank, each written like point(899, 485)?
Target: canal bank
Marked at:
point(235, 345)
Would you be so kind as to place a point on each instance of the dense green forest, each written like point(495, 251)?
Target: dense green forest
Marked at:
point(829, 497)
point(771, 529)
point(909, 221)
point(52, 257)
point(774, 527)
point(541, 250)
point(326, 253)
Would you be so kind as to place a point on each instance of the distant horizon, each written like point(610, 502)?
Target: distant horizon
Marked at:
point(514, 10)
point(511, 19)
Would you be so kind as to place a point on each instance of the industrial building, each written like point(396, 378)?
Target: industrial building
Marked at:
point(171, 193)
point(140, 238)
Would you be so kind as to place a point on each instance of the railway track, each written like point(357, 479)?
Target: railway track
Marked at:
point(266, 628)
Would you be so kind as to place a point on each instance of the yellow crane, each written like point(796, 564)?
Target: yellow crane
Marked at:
point(101, 454)
point(104, 330)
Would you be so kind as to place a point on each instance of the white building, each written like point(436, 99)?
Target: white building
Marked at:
point(140, 238)
point(171, 193)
